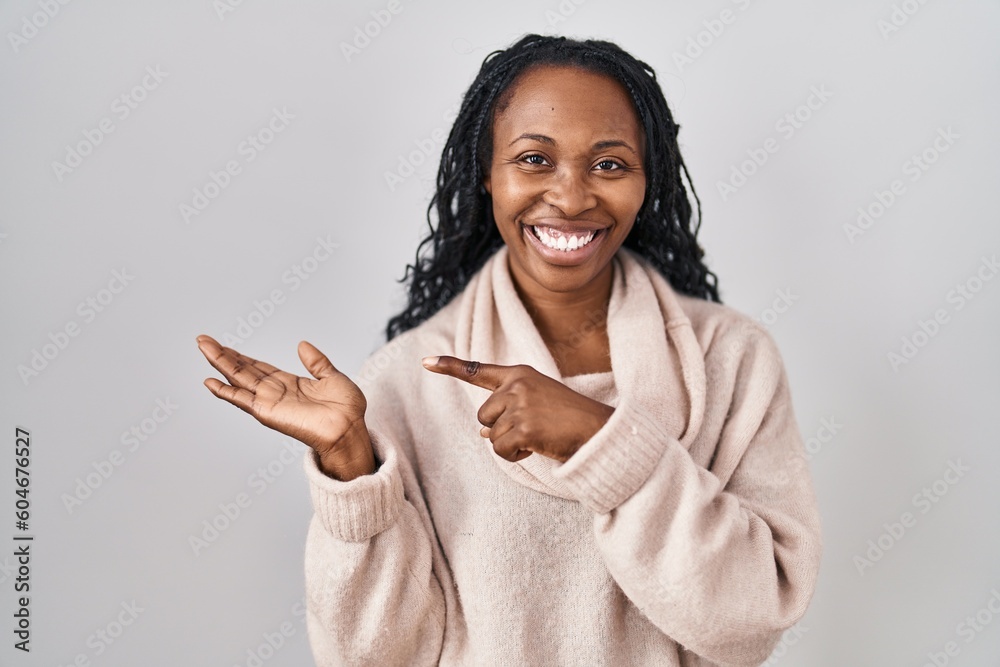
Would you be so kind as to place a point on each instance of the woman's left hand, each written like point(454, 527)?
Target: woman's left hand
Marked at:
point(528, 411)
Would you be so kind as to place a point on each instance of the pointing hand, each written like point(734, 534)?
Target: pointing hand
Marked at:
point(528, 411)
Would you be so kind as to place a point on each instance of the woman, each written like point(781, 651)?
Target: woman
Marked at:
point(568, 453)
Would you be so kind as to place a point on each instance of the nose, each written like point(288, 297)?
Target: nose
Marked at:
point(570, 192)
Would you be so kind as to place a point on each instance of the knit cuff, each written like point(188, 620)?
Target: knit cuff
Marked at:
point(616, 461)
point(355, 511)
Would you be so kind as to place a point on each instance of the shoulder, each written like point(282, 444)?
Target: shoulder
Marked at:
point(741, 366)
point(712, 321)
point(732, 341)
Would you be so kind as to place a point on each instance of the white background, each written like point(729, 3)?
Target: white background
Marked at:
point(63, 234)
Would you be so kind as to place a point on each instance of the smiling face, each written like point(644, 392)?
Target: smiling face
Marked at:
point(566, 177)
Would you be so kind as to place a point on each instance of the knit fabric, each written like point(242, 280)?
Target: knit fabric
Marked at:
point(685, 532)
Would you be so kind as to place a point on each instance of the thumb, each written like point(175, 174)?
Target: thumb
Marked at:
point(315, 361)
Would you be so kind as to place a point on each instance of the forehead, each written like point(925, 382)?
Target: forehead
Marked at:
point(562, 100)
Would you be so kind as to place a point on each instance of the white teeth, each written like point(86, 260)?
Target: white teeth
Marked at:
point(566, 244)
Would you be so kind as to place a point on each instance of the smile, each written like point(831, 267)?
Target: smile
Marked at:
point(566, 242)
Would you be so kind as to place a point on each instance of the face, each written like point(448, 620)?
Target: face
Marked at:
point(566, 177)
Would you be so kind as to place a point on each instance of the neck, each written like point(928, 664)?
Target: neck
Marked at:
point(564, 318)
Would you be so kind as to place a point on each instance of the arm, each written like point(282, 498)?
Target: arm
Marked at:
point(372, 595)
point(721, 558)
point(373, 598)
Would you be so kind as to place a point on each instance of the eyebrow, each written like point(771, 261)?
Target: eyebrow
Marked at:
point(600, 145)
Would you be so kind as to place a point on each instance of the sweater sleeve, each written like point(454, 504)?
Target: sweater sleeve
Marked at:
point(373, 597)
point(721, 559)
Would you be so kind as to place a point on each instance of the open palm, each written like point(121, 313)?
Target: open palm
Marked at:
point(318, 412)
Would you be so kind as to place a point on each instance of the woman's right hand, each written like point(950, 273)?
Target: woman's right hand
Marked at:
point(326, 413)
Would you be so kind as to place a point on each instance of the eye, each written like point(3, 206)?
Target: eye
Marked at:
point(533, 159)
point(609, 165)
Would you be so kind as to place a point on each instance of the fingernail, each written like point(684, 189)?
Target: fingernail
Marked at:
point(429, 361)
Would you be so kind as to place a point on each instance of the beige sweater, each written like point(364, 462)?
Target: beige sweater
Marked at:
point(685, 532)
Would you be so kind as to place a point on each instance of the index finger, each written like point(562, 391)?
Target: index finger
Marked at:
point(231, 363)
point(487, 376)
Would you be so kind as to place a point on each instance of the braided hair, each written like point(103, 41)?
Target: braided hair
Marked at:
point(466, 234)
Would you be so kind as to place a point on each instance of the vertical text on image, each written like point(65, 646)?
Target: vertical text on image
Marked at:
point(22, 543)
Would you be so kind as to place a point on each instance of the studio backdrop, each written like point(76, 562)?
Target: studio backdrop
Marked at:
point(260, 172)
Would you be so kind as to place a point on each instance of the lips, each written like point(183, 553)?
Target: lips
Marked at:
point(563, 244)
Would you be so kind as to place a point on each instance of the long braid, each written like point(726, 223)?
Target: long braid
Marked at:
point(466, 235)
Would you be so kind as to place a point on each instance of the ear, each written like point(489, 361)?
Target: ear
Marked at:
point(487, 186)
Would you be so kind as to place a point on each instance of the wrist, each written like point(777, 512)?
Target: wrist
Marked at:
point(602, 415)
point(349, 457)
